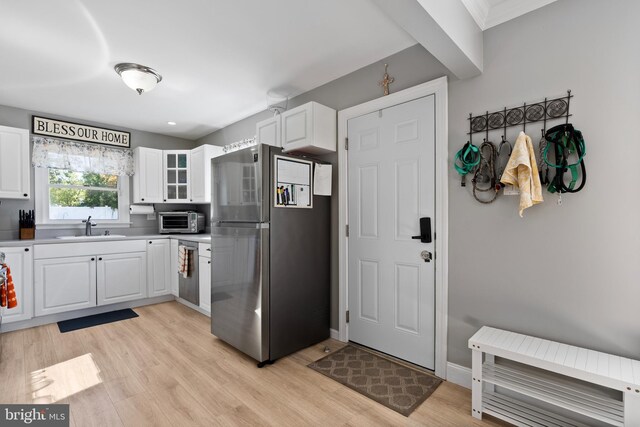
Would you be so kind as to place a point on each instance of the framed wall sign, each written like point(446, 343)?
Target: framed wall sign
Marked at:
point(78, 132)
point(292, 183)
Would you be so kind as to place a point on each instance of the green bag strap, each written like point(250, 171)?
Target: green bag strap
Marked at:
point(469, 158)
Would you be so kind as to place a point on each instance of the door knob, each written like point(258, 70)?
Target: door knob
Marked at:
point(425, 230)
point(426, 256)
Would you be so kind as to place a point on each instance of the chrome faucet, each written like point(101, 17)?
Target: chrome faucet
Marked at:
point(88, 225)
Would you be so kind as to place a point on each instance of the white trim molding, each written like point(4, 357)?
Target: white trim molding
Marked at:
point(458, 374)
point(334, 334)
point(438, 88)
point(488, 14)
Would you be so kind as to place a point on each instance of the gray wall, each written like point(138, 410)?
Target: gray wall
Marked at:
point(20, 118)
point(410, 67)
point(570, 272)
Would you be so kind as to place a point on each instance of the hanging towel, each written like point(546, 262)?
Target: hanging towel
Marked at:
point(522, 172)
point(7, 289)
point(184, 260)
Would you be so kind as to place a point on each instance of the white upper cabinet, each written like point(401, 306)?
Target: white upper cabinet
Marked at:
point(148, 177)
point(176, 176)
point(310, 128)
point(20, 261)
point(268, 131)
point(15, 164)
point(200, 172)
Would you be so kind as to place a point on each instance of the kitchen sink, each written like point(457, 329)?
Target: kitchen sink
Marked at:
point(97, 236)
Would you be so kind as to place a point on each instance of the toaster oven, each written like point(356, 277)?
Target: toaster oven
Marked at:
point(187, 222)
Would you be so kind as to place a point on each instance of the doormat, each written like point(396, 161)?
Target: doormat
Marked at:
point(95, 320)
point(395, 386)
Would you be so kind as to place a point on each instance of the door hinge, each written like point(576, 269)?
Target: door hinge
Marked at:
point(346, 144)
point(347, 316)
point(347, 230)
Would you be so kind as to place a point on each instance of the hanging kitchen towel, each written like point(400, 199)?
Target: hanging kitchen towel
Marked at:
point(184, 257)
point(7, 290)
point(522, 172)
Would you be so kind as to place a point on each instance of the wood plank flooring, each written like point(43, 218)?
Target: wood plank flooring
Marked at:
point(165, 368)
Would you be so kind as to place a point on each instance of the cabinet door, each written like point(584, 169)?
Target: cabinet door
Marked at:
point(20, 261)
point(147, 180)
point(158, 267)
point(268, 131)
point(173, 265)
point(297, 126)
point(15, 163)
point(200, 172)
point(204, 282)
point(176, 176)
point(121, 277)
point(198, 187)
point(64, 284)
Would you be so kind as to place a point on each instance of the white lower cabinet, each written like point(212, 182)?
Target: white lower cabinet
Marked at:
point(74, 276)
point(205, 283)
point(159, 267)
point(64, 284)
point(20, 261)
point(121, 277)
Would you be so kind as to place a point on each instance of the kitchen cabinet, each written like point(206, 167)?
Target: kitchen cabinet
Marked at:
point(204, 279)
point(121, 277)
point(310, 128)
point(268, 131)
point(20, 261)
point(174, 267)
point(176, 176)
point(64, 284)
point(148, 178)
point(72, 276)
point(200, 172)
point(15, 163)
point(159, 267)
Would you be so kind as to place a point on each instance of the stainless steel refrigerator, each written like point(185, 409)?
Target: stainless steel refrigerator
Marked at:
point(270, 269)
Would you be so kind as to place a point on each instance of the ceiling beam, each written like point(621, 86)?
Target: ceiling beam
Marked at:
point(445, 28)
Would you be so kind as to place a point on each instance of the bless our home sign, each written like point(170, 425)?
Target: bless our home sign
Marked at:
point(78, 132)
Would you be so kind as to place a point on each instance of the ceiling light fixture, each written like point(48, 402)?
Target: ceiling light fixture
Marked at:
point(138, 77)
point(171, 123)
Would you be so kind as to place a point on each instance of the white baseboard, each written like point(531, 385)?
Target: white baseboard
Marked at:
point(334, 334)
point(460, 375)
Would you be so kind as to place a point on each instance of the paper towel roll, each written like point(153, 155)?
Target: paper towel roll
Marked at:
point(141, 209)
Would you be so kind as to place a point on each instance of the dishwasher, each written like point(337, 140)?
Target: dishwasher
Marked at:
point(188, 286)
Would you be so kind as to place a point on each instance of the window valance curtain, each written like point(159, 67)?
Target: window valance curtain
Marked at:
point(81, 157)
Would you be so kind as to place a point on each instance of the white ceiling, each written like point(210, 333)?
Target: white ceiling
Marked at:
point(218, 58)
point(489, 13)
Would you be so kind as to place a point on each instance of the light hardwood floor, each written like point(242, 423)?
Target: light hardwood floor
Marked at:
point(165, 368)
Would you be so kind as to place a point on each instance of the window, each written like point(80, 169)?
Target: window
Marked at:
point(64, 196)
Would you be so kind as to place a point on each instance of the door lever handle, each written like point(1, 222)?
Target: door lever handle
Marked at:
point(425, 230)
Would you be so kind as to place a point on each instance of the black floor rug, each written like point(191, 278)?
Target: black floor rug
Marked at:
point(396, 386)
point(95, 320)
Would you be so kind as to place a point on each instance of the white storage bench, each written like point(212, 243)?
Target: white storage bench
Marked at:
point(598, 386)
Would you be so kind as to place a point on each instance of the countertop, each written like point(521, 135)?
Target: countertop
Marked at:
point(198, 238)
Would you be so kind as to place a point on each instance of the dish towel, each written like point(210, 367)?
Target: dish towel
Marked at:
point(7, 290)
point(184, 261)
point(522, 172)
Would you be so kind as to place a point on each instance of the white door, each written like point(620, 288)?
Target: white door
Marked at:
point(158, 267)
point(176, 176)
point(15, 163)
point(64, 284)
point(20, 261)
point(148, 177)
point(391, 170)
point(121, 277)
point(204, 282)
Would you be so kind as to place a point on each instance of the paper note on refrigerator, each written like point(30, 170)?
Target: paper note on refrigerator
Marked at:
point(302, 195)
point(322, 180)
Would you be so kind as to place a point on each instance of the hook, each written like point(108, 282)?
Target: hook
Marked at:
point(568, 103)
point(524, 118)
